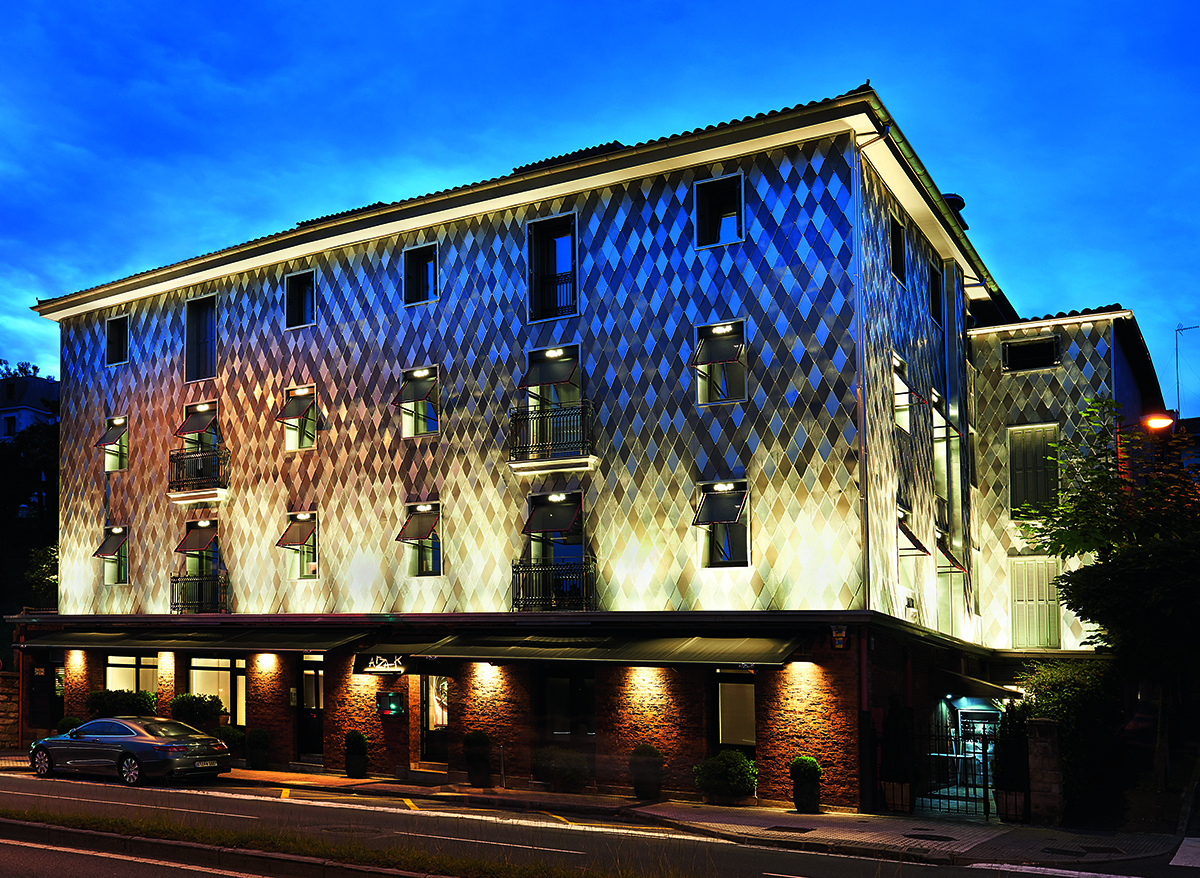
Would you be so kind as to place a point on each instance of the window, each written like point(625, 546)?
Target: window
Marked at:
point(114, 552)
point(201, 339)
point(937, 295)
point(1035, 609)
point(115, 443)
point(224, 678)
point(1032, 475)
point(722, 513)
point(420, 531)
point(719, 211)
point(300, 539)
point(720, 363)
point(555, 528)
point(116, 348)
point(551, 256)
point(418, 402)
point(1036, 353)
point(300, 299)
point(10, 425)
point(899, 256)
point(902, 394)
point(735, 710)
point(299, 418)
point(420, 274)
point(199, 548)
point(137, 673)
point(199, 430)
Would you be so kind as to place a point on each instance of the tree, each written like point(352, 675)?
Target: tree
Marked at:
point(1127, 499)
point(23, 369)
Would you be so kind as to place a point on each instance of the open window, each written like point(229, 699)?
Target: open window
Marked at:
point(299, 418)
point(418, 401)
point(910, 551)
point(114, 552)
point(719, 211)
point(420, 532)
point(555, 528)
point(199, 430)
point(300, 299)
point(300, 539)
point(721, 512)
point(116, 340)
point(552, 378)
point(552, 275)
point(115, 442)
point(720, 363)
point(903, 396)
point(420, 274)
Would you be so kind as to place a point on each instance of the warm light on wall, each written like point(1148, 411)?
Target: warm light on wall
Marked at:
point(646, 683)
point(75, 660)
point(489, 680)
point(266, 662)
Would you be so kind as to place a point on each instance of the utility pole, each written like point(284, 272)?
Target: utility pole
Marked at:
point(1178, 329)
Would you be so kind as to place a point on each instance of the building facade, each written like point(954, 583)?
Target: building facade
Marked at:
point(666, 443)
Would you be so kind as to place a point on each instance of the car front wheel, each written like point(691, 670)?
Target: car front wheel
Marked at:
point(129, 770)
point(43, 765)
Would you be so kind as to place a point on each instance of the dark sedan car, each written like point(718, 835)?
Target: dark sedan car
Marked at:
point(133, 748)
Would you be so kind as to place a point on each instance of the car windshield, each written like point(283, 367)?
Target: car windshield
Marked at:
point(170, 730)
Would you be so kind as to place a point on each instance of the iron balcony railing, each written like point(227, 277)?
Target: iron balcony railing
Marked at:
point(198, 470)
point(551, 432)
point(205, 593)
point(541, 586)
point(555, 295)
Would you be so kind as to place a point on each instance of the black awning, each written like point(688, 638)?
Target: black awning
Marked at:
point(418, 526)
point(197, 539)
point(971, 687)
point(112, 544)
point(295, 408)
point(553, 518)
point(907, 541)
point(719, 507)
point(297, 534)
point(556, 371)
point(113, 434)
point(415, 390)
point(665, 651)
point(237, 640)
point(196, 422)
point(392, 657)
point(947, 562)
point(717, 349)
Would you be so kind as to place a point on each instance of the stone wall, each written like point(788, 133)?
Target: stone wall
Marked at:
point(9, 709)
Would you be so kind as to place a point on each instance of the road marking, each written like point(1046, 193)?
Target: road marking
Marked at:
point(409, 803)
point(207, 870)
point(556, 817)
point(1040, 870)
point(283, 793)
point(502, 844)
point(1188, 853)
point(129, 805)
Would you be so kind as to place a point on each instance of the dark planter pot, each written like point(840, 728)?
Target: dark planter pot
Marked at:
point(647, 787)
point(256, 760)
point(356, 765)
point(806, 797)
point(479, 768)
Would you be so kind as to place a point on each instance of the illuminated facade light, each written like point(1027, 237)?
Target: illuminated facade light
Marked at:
point(723, 487)
point(420, 373)
point(723, 329)
point(557, 498)
point(554, 353)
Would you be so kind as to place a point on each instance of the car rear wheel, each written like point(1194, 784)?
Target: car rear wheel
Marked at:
point(129, 770)
point(43, 764)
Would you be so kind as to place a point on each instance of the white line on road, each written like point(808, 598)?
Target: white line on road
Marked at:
point(1041, 870)
point(128, 805)
point(502, 844)
point(207, 870)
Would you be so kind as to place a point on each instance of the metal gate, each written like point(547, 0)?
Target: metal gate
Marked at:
point(954, 768)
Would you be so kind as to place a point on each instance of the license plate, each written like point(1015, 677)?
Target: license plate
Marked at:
point(207, 763)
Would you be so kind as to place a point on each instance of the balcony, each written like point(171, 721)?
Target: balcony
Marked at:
point(554, 296)
point(205, 593)
point(547, 439)
point(554, 586)
point(198, 476)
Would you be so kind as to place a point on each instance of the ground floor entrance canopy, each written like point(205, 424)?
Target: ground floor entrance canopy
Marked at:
point(235, 640)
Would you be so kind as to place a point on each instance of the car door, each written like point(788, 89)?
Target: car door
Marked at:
point(84, 750)
point(111, 744)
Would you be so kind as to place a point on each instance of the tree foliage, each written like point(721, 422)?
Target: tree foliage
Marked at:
point(23, 369)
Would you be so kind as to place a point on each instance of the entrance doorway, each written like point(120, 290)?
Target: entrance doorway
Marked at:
point(310, 723)
point(566, 710)
point(435, 717)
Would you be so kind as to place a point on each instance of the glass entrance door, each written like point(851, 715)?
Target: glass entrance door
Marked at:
point(435, 716)
point(310, 725)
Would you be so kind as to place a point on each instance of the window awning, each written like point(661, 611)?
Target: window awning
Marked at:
point(415, 390)
point(418, 526)
point(196, 422)
point(946, 562)
point(297, 534)
point(295, 408)
point(717, 349)
point(664, 651)
point(908, 542)
point(553, 518)
point(113, 434)
point(557, 371)
point(971, 687)
point(197, 540)
point(112, 544)
point(236, 640)
point(719, 507)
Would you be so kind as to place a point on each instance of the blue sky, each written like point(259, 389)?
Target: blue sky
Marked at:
point(134, 135)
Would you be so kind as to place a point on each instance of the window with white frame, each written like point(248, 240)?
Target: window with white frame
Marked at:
point(114, 553)
point(1035, 609)
point(300, 540)
point(300, 299)
point(115, 442)
point(299, 418)
point(137, 673)
point(722, 513)
point(720, 363)
point(420, 533)
point(719, 211)
point(418, 402)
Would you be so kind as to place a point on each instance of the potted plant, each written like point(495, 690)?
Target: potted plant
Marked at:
point(729, 778)
point(356, 754)
point(566, 771)
point(1010, 763)
point(646, 766)
point(477, 749)
point(258, 742)
point(806, 784)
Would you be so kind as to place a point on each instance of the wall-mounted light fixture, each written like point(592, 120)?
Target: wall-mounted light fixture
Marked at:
point(723, 329)
point(554, 353)
point(723, 487)
point(420, 373)
point(557, 498)
point(204, 522)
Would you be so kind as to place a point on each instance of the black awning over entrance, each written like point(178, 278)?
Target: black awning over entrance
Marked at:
point(241, 640)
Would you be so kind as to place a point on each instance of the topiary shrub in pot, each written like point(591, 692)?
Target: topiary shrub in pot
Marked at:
point(258, 742)
point(477, 750)
point(356, 754)
point(201, 711)
point(727, 778)
point(806, 784)
point(646, 766)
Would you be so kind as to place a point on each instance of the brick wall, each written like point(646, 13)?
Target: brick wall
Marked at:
point(84, 673)
point(269, 681)
point(350, 704)
point(168, 688)
point(10, 709)
point(809, 709)
point(494, 699)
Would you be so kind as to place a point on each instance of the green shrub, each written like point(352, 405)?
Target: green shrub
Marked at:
point(258, 739)
point(121, 702)
point(233, 736)
point(67, 723)
point(201, 711)
point(729, 773)
point(565, 770)
point(356, 743)
point(804, 769)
